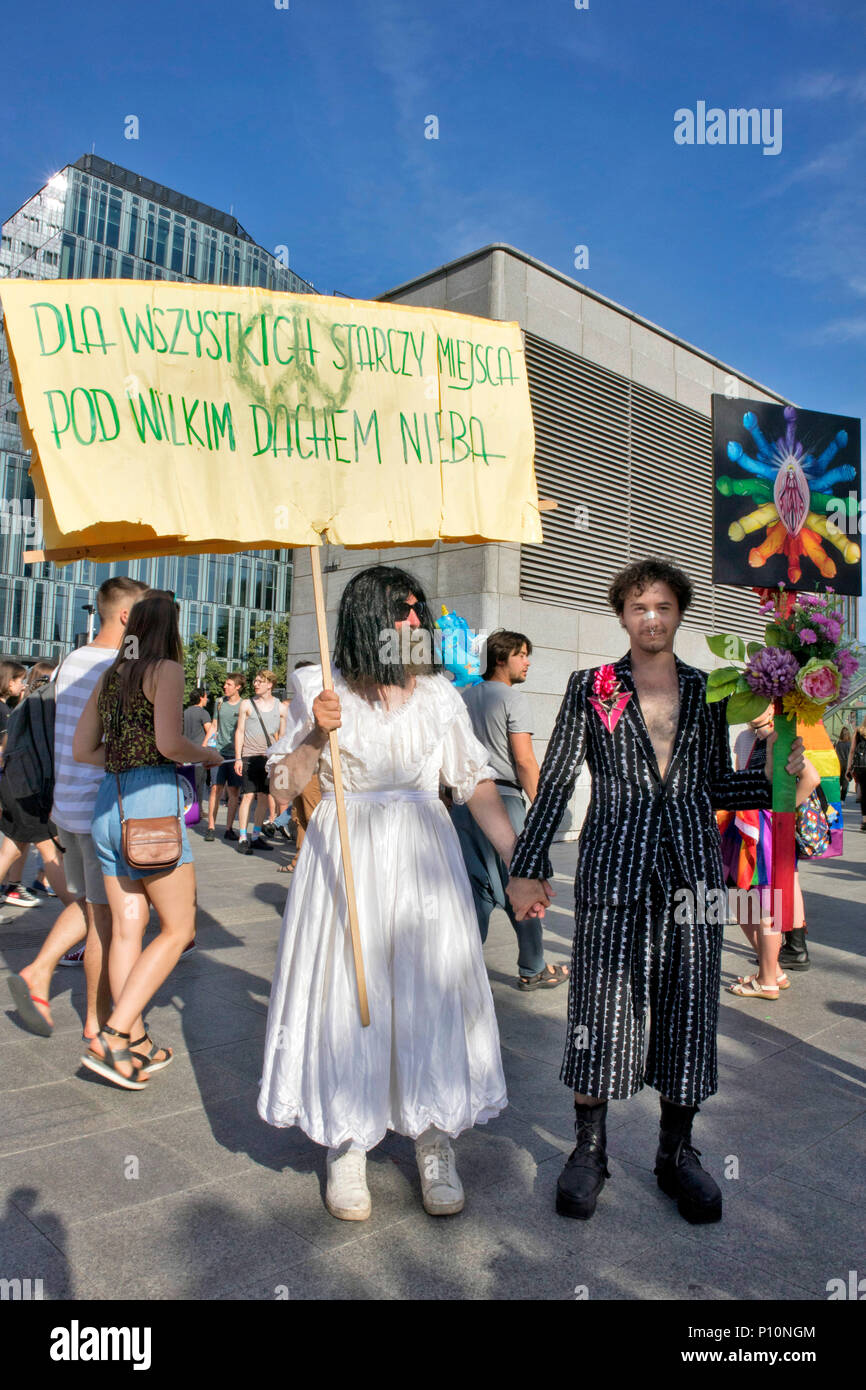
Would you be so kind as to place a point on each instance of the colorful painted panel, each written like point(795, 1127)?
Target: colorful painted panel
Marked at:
point(786, 503)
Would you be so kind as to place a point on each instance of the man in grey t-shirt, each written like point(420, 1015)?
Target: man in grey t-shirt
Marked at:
point(196, 722)
point(502, 721)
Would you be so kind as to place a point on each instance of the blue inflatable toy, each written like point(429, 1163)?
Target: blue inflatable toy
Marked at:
point(460, 649)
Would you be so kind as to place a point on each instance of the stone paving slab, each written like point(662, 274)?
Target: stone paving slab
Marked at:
point(133, 1168)
point(227, 1207)
point(792, 1230)
point(28, 1254)
point(196, 1245)
point(672, 1269)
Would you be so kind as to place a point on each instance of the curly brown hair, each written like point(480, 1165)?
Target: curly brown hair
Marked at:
point(640, 574)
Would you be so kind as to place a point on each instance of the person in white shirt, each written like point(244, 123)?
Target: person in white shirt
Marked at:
point(75, 788)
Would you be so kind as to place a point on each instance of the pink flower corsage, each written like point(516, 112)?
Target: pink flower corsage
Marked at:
point(608, 698)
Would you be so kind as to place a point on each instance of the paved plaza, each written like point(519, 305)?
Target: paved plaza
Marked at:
point(182, 1192)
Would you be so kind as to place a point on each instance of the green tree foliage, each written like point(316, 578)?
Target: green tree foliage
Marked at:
point(256, 658)
point(214, 670)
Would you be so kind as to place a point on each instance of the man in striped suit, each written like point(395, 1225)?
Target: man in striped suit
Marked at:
point(649, 892)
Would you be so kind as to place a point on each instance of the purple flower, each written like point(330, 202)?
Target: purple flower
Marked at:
point(767, 608)
point(847, 663)
point(830, 628)
point(812, 601)
point(772, 672)
point(807, 635)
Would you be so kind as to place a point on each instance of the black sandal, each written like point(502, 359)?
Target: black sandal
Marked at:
point(548, 978)
point(107, 1066)
point(149, 1063)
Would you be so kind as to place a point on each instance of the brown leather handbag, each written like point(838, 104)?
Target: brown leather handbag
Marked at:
point(152, 842)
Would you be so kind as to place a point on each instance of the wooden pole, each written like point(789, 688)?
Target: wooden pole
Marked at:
point(328, 684)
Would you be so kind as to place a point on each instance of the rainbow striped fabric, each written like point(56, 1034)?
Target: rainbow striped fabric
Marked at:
point(822, 756)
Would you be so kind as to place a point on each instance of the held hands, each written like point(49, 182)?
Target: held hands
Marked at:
point(326, 712)
point(796, 764)
point(529, 896)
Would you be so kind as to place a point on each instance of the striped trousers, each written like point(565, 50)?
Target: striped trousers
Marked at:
point(632, 962)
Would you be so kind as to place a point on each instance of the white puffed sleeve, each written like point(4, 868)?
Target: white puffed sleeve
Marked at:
point(464, 759)
point(304, 686)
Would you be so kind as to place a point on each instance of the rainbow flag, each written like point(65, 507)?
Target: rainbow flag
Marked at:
point(822, 756)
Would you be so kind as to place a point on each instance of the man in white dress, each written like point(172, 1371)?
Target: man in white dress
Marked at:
point(429, 1065)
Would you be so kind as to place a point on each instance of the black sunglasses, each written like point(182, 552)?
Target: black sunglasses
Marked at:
point(404, 609)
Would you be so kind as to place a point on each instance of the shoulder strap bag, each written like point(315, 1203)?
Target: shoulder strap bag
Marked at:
point(269, 740)
point(812, 825)
point(151, 842)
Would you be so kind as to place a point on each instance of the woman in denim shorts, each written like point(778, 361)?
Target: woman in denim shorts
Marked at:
point(137, 709)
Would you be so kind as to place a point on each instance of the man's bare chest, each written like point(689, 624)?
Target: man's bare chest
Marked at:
point(660, 707)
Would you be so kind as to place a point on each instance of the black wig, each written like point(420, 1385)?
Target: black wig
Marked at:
point(369, 650)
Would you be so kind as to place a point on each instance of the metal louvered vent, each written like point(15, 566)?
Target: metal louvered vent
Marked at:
point(632, 472)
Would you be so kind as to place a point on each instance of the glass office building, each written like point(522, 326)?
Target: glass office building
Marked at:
point(97, 220)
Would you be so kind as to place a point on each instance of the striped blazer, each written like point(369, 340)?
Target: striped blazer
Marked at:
point(633, 810)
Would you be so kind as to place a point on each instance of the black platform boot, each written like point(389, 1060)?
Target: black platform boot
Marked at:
point(582, 1178)
point(794, 955)
point(678, 1170)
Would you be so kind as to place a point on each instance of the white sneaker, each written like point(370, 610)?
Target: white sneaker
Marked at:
point(347, 1195)
point(441, 1188)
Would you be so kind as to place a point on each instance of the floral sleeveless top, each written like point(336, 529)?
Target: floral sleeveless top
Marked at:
point(130, 740)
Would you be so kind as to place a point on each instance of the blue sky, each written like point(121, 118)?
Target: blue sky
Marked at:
point(555, 129)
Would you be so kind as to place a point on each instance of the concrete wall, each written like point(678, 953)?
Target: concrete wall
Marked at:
point(500, 284)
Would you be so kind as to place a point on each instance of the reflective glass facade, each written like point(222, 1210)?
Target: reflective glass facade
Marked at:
point(97, 220)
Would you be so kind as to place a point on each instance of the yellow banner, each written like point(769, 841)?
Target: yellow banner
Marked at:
point(169, 418)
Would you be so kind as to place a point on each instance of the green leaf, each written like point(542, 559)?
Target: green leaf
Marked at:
point(753, 648)
point(742, 707)
point(776, 636)
point(724, 676)
point(722, 683)
point(259, 645)
point(743, 687)
point(727, 645)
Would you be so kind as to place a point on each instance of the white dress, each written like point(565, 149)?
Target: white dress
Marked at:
point(430, 1055)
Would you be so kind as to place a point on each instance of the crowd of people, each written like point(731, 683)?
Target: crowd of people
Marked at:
point(448, 817)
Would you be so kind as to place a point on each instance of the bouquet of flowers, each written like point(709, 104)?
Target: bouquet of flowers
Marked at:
point(803, 661)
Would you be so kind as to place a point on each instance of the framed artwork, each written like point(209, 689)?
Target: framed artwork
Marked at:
point(787, 508)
